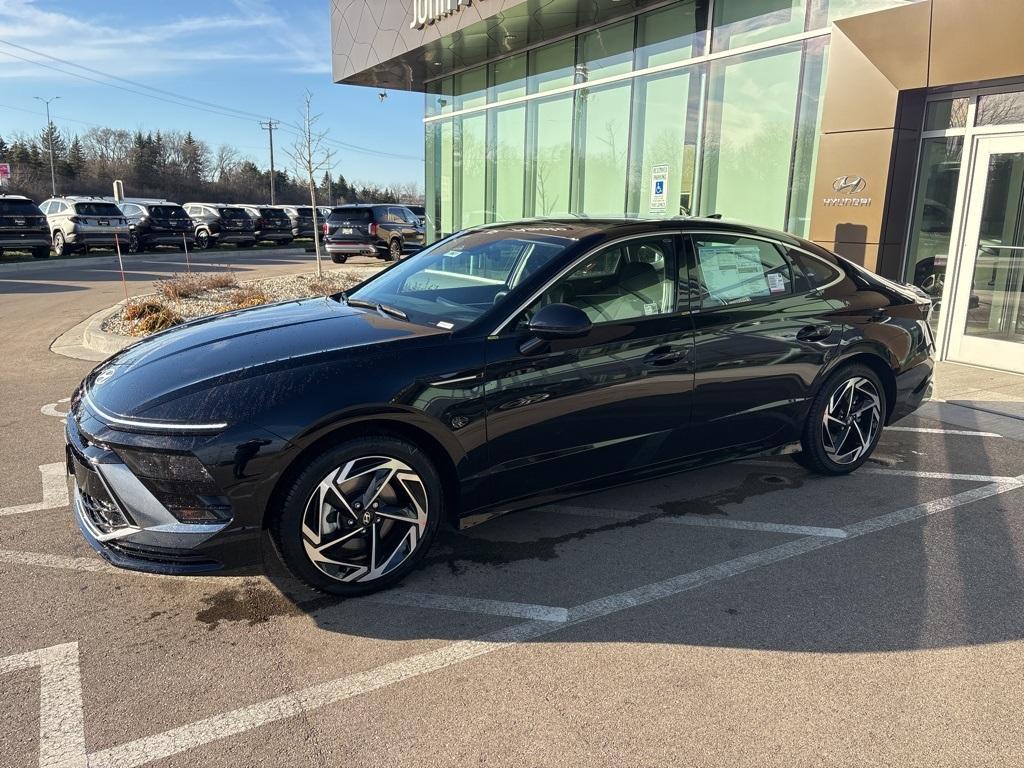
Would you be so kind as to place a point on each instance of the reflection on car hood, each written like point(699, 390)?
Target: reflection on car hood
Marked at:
point(239, 345)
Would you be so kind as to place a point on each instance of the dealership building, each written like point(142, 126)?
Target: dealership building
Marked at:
point(891, 131)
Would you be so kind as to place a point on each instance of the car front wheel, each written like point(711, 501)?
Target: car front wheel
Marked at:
point(60, 246)
point(844, 423)
point(202, 240)
point(359, 516)
point(134, 245)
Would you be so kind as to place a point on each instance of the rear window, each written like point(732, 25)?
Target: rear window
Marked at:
point(419, 210)
point(168, 212)
point(273, 213)
point(234, 213)
point(811, 273)
point(18, 208)
point(351, 215)
point(98, 209)
point(304, 212)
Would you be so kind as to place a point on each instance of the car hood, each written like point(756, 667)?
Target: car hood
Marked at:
point(242, 347)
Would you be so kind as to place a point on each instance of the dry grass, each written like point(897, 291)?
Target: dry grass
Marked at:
point(324, 286)
point(248, 296)
point(141, 308)
point(188, 286)
point(149, 316)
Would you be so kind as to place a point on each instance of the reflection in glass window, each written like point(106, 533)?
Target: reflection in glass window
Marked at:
point(805, 153)
point(602, 144)
point(431, 166)
point(840, 9)
point(446, 162)
point(509, 144)
point(439, 96)
point(472, 163)
point(748, 144)
point(671, 34)
point(666, 115)
point(737, 270)
point(471, 88)
point(744, 22)
point(1000, 109)
point(605, 52)
point(932, 226)
point(508, 78)
point(549, 129)
point(552, 66)
point(948, 113)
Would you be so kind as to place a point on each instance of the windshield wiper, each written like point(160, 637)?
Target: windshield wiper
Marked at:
point(364, 304)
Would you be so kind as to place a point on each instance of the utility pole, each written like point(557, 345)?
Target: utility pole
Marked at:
point(330, 180)
point(269, 126)
point(49, 140)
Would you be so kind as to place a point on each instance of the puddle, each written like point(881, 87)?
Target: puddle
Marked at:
point(250, 603)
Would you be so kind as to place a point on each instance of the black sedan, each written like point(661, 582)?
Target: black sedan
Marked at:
point(501, 368)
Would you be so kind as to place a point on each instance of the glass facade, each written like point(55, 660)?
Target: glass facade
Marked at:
point(658, 114)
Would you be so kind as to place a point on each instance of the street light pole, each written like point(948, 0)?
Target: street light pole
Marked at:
point(49, 140)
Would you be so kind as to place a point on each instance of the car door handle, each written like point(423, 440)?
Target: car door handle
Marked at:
point(666, 355)
point(814, 333)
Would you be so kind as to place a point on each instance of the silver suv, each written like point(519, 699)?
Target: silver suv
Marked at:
point(81, 223)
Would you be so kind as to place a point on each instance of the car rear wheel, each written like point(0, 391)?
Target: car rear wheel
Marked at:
point(359, 516)
point(339, 259)
point(42, 252)
point(202, 239)
point(844, 423)
point(60, 246)
point(134, 244)
point(394, 250)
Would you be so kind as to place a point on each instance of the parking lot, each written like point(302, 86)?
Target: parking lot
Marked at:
point(748, 614)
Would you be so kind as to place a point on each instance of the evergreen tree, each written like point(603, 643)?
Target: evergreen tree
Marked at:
point(74, 164)
point(194, 161)
point(48, 135)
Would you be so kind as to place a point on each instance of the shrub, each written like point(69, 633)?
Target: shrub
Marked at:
point(177, 288)
point(157, 321)
point(247, 296)
point(324, 286)
point(140, 308)
point(212, 280)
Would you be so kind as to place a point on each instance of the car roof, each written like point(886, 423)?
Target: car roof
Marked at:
point(13, 197)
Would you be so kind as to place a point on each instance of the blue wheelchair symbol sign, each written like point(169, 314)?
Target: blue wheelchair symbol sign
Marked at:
point(659, 187)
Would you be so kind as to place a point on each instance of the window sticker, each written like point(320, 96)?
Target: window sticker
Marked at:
point(445, 324)
point(733, 272)
point(776, 282)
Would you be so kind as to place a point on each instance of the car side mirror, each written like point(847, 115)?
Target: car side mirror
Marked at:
point(556, 321)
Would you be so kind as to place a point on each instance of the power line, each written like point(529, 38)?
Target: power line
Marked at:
point(62, 118)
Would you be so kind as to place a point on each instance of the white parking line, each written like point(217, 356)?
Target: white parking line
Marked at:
point(210, 729)
point(702, 522)
point(774, 464)
point(55, 491)
point(470, 605)
point(935, 431)
point(50, 409)
point(43, 560)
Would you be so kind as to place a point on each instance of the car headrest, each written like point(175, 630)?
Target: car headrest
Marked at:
point(639, 276)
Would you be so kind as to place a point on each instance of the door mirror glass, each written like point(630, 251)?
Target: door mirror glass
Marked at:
point(560, 321)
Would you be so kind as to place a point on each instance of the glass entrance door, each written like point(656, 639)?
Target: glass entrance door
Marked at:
point(987, 322)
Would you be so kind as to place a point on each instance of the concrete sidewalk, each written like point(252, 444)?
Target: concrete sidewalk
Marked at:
point(980, 389)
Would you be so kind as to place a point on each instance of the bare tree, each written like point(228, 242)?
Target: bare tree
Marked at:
point(225, 162)
point(310, 159)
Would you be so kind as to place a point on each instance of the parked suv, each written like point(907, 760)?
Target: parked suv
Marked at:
point(272, 224)
point(387, 231)
point(23, 227)
point(301, 217)
point(81, 223)
point(217, 223)
point(157, 222)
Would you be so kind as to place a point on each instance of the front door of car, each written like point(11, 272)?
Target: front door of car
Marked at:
point(761, 338)
point(613, 402)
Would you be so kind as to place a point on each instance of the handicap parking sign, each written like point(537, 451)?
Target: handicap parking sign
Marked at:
point(659, 187)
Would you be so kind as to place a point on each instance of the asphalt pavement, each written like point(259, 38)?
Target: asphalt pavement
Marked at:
point(742, 615)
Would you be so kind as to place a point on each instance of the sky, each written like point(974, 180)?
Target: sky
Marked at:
point(257, 56)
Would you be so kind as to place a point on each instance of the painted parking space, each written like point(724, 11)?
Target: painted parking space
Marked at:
point(567, 574)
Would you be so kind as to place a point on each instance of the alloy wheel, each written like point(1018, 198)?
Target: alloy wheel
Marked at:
point(851, 421)
point(364, 519)
point(395, 249)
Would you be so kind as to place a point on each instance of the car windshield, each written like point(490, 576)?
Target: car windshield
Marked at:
point(18, 208)
point(98, 209)
point(457, 280)
point(168, 212)
point(349, 215)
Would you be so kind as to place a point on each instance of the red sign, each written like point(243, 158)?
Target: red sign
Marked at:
point(5, 171)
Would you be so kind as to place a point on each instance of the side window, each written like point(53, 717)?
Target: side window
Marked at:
point(624, 282)
point(810, 273)
point(734, 270)
point(131, 210)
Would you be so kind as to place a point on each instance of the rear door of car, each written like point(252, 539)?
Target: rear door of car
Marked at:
point(761, 339)
point(616, 401)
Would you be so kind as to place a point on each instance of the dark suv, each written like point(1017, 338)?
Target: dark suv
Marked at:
point(217, 223)
point(301, 217)
point(272, 224)
point(157, 222)
point(23, 227)
point(387, 231)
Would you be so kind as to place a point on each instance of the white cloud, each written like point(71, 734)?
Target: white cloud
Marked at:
point(253, 32)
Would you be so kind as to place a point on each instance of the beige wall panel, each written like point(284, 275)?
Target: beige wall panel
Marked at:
point(894, 41)
point(979, 40)
point(857, 96)
point(860, 153)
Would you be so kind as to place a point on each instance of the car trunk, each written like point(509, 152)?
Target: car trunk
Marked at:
point(350, 226)
point(21, 216)
point(168, 218)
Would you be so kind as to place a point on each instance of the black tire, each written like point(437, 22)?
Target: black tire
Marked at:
point(40, 252)
point(394, 251)
point(203, 240)
point(286, 523)
point(60, 245)
point(134, 243)
point(339, 259)
point(286, 243)
point(246, 244)
point(814, 454)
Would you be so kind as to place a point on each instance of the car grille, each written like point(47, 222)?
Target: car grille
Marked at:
point(103, 513)
point(101, 508)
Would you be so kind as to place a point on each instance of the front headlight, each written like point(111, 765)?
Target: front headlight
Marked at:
point(180, 482)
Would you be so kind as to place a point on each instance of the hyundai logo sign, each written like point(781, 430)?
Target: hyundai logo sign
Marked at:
point(428, 11)
point(848, 188)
